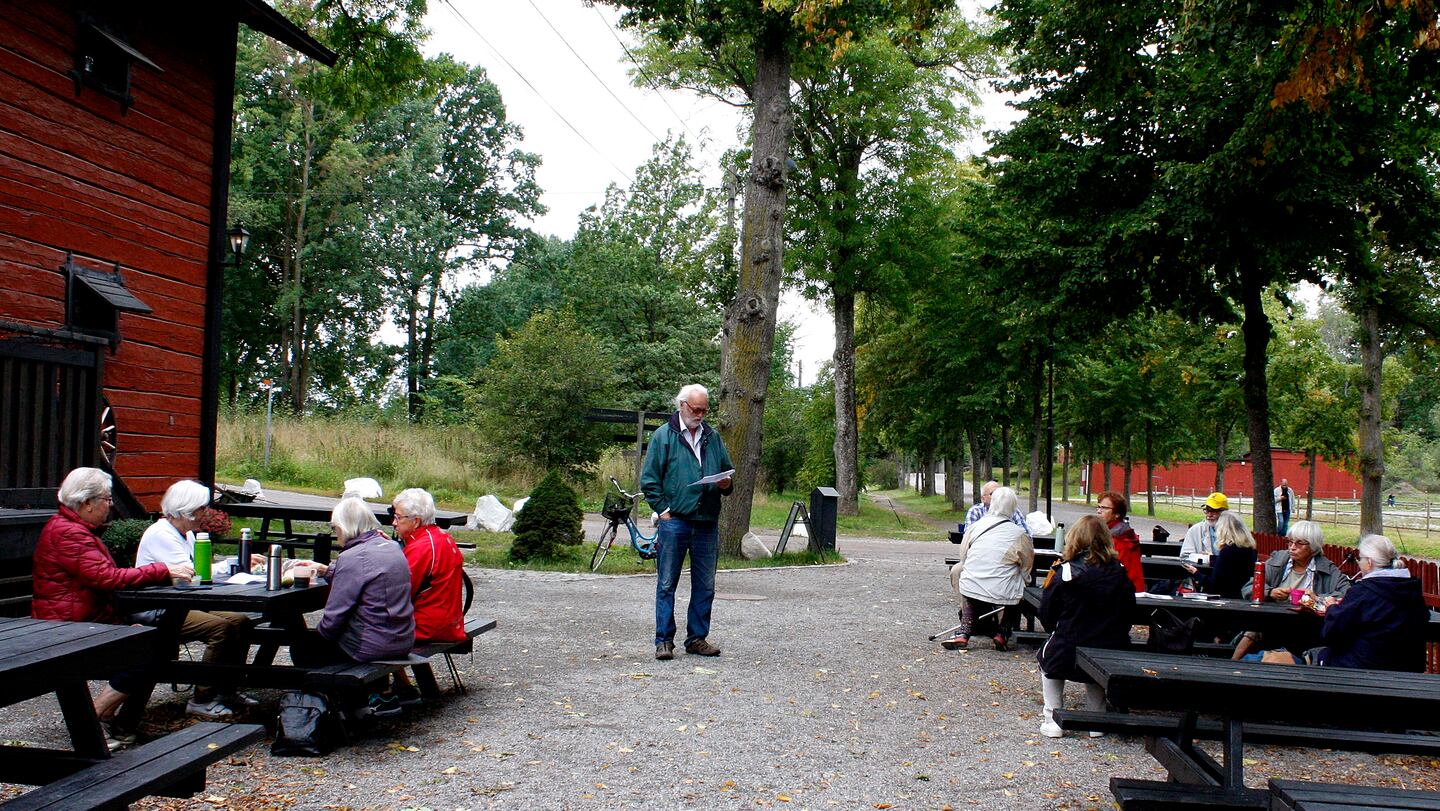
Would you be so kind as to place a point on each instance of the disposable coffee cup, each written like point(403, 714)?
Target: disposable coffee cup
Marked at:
point(1296, 595)
point(302, 581)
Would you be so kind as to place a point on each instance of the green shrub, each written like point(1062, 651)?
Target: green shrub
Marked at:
point(883, 474)
point(123, 538)
point(550, 521)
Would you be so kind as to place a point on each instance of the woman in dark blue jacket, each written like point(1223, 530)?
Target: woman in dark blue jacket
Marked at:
point(1088, 600)
point(1380, 622)
point(1234, 564)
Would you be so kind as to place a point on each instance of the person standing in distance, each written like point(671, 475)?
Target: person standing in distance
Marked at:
point(682, 451)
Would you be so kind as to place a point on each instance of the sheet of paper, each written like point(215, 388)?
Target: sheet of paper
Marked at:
point(716, 479)
point(241, 578)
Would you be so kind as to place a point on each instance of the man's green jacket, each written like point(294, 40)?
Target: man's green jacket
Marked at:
point(670, 467)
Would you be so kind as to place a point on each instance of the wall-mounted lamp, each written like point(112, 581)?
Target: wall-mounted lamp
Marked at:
point(239, 241)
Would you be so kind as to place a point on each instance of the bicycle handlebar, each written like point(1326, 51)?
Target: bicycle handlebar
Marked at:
point(631, 496)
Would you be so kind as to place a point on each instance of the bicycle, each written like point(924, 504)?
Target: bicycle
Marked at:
point(617, 509)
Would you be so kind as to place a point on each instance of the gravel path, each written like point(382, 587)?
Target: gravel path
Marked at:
point(828, 695)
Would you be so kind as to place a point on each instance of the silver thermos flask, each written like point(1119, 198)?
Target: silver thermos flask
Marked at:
point(273, 569)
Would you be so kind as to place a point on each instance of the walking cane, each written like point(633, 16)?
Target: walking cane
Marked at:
point(951, 630)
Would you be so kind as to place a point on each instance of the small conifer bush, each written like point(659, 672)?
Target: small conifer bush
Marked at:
point(550, 520)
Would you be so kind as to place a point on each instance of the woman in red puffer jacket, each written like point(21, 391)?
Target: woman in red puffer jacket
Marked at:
point(75, 575)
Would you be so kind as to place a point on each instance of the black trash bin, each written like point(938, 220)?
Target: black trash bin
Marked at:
point(824, 506)
point(1159, 534)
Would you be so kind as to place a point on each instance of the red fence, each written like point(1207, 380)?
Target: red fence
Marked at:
point(1427, 571)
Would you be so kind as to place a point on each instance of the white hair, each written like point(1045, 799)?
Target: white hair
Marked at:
point(184, 498)
point(687, 391)
point(1309, 532)
point(418, 503)
point(1003, 502)
point(352, 518)
point(83, 484)
point(1381, 552)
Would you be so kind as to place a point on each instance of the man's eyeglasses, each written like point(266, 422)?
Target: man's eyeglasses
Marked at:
point(702, 410)
point(1210, 510)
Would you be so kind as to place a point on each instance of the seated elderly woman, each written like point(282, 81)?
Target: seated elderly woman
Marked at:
point(1380, 621)
point(436, 576)
point(368, 615)
point(171, 541)
point(1088, 600)
point(75, 576)
point(1301, 566)
point(995, 558)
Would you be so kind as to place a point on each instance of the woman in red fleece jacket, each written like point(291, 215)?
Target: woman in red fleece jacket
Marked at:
point(435, 577)
point(1113, 509)
point(75, 575)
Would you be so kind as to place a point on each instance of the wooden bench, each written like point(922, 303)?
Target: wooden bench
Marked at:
point(173, 766)
point(1218, 650)
point(368, 676)
point(1350, 740)
point(1303, 795)
point(1153, 795)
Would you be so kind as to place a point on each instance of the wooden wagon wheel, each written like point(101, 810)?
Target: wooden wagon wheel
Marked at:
point(109, 435)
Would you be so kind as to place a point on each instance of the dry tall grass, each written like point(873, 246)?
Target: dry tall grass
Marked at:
point(320, 453)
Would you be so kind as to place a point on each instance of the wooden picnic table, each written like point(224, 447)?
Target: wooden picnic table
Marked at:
point(1241, 692)
point(39, 657)
point(282, 613)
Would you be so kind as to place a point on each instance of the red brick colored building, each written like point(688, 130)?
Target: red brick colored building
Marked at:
point(1198, 478)
point(115, 122)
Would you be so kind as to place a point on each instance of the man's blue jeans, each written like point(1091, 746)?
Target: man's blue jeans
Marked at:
point(677, 537)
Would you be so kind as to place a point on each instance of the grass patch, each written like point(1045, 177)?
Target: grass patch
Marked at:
point(769, 511)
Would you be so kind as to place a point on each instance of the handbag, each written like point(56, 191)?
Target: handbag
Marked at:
point(1170, 634)
point(307, 726)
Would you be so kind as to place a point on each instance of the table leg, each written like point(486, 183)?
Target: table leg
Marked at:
point(1234, 775)
point(83, 725)
point(292, 627)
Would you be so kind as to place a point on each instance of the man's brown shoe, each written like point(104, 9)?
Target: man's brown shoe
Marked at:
point(665, 651)
point(701, 647)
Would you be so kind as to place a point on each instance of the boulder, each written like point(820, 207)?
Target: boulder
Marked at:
point(519, 505)
point(752, 548)
point(490, 515)
point(1039, 524)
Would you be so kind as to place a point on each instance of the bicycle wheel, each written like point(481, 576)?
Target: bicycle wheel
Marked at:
point(602, 547)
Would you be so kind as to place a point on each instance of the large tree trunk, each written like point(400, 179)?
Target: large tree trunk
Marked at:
point(750, 321)
point(1149, 471)
point(847, 435)
point(927, 472)
point(955, 477)
point(1222, 433)
point(412, 371)
point(1310, 490)
point(1372, 454)
point(1037, 431)
point(1005, 453)
point(1129, 468)
point(297, 369)
point(1256, 329)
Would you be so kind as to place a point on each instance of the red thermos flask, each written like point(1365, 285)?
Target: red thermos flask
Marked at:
point(1258, 594)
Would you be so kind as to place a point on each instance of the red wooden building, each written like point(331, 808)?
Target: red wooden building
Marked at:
point(115, 122)
point(1198, 478)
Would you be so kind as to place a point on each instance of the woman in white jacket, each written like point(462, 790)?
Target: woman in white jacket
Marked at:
point(995, 558)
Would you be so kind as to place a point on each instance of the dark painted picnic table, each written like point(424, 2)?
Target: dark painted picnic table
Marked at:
point(282, 614)
point(1241, 692)
point(39, 657)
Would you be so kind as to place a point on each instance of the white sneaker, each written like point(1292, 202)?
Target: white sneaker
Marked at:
point(234, 700)
point(1050, 729)
point(1095, 733)
point(211, 711)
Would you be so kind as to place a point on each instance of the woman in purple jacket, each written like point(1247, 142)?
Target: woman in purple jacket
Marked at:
point(368, 615)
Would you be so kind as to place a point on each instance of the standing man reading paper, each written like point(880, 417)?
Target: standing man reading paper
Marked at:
point(683, 451)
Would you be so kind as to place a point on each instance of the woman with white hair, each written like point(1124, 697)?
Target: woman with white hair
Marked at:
point(1380, 621)
point(995, 558)
point(171, 541)
point(436, 575)
point(1302, 566)
point(75, 576)
point(368, 615)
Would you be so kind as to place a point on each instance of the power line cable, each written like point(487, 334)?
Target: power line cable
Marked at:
point(450, 5)
point(654, 85)
point(592, 72)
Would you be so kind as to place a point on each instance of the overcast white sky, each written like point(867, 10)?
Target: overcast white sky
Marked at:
point(572, 119)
